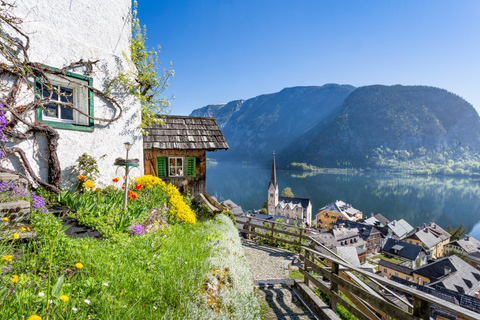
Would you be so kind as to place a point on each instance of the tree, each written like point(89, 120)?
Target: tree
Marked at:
point(287, 192)
point(456, 233)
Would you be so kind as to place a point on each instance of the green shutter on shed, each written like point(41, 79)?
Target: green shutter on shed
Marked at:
point(191, 164)
point(161, 167)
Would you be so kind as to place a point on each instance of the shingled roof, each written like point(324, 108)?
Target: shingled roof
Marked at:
point(185, 133)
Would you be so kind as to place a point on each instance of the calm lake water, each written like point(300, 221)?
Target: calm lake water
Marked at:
point(417, 199)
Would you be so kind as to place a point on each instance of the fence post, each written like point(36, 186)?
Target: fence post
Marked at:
point(272, 226)
point(421, 308)
point(334, 286)
point(302, 231)
point(305, 268)
point(249, 229)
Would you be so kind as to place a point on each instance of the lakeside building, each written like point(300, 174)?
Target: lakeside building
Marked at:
point(338, 210)
point(468, 248)
point(432, 237)
point(176, 151)
point(290, 208)
point(413, 256)
point(400, 229)
point(370, 234)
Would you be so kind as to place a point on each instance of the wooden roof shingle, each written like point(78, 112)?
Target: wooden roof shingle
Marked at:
point(185, 133)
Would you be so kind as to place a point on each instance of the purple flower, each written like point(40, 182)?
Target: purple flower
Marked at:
point(136, 229)
point(12, 190)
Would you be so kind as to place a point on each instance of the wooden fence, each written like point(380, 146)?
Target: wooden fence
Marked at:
point(364, 294)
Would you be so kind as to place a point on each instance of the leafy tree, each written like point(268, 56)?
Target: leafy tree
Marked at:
point(287, 192)
point(455, 233)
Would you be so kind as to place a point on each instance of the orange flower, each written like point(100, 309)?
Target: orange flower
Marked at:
point(139, 186)
point(123, 178)
point(153, 180)
point(81, 177)
point(115, 179)
point(123, 186)
point(132, 195)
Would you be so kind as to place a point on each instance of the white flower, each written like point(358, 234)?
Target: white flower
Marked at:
point(105, 284)
point(41, 294)
point(74, 309)
point(154, 307)
point(50, 301)
point(86, 301)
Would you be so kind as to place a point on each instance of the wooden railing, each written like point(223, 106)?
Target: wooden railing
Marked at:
point(364, 294)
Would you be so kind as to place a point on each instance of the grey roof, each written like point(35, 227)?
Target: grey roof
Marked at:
point(401, 228)
point(364, 229)
point(431, 235)
point(452, 273)
point(350, 254)
point(406, 250)
point(348, 212)
point(185, 133)
point(304, 203)
point(468, 244)
point(394, 266)
point(382, 219)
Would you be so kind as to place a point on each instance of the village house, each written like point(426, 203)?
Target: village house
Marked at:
point(389, 269)
point(371, 235)
point(468, 248)
point(176, 151)
point(290, 208)
point(59, 35)
point(399, 229)
point(432, 237)
point(338, 210)
point(413, 256)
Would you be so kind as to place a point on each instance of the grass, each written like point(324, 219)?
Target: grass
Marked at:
point(296, 275)
point(384, 257)
point(183, 271)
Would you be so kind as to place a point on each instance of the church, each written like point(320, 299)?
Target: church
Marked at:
point(293, 208)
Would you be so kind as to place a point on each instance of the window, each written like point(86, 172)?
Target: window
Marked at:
point(176, 167)
point(385, 270)
point(65, 91)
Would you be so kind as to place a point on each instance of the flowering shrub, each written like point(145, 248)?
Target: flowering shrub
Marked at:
point(9, 191)
point(150, 181)
point(179, 210)
point(136, 229)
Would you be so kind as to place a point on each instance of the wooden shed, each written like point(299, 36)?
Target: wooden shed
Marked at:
point(176, 151)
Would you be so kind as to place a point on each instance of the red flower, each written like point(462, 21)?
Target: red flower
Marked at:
point(132, 195)
point(153, 180)
point(139, 186)
point(115, 179)
point(123, 186)
point(81, 177)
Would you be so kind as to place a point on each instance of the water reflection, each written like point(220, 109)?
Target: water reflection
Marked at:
point(444, 200)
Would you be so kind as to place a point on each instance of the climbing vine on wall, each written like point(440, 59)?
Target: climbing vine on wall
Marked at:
point(18, 122)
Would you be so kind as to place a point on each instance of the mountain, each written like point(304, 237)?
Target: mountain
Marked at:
point(254, 128)
point(343, 126)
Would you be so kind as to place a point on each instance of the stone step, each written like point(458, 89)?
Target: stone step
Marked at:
point(13, 178)
point(15, 211)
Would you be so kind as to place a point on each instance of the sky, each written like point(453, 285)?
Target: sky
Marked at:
point(238, 49)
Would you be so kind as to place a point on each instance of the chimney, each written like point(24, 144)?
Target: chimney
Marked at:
point(426, 230)
point(467, 238)
point(424, 225)
point(418, 228)
point(371, 214)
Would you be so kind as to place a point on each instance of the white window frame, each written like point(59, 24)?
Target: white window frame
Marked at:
point(176, 167)
point(80, 98)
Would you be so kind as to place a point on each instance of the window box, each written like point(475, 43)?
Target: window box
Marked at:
point(66, 91)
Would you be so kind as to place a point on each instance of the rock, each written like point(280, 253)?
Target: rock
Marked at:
point(16, 180)
point(156, 218)
point(204, 198)
point(15, 211)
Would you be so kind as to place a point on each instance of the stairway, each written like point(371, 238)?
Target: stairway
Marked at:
point(14, 212)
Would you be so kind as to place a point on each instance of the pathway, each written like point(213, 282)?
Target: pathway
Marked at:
point(269, 267)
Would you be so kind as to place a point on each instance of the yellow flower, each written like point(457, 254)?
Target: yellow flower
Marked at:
point(15, 235)
point(14, 279)
point(78, 265)
point(28, 228)
point(8, 258)
point(85, 246)
point(156, 228)
point(5, 219)
point(64, 298)
point(98, 189)
point(22, 229)
point(89, 184)
point(34, 317)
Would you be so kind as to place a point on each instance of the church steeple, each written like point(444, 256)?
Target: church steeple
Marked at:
point(273, 178)
point(273, 189)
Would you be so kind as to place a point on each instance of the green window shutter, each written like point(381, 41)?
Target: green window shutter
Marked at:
point(191, 164)
point(161, 167)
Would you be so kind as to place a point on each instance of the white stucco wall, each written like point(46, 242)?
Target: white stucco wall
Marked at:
point(62, 32)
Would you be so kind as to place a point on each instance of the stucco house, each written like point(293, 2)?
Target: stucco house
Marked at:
point(176, 151)
point(432, 237)
point(63, 32)
point(338, 210)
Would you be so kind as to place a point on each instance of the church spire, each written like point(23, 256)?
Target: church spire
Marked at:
point(273, 178)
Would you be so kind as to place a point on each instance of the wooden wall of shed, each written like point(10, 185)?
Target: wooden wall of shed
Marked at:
point(195, 185)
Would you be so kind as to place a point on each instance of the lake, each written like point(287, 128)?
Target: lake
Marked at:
point(417, 199)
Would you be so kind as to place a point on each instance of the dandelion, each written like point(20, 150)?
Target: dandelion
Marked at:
point(156, 228)
point(89, 184)
point(34, 317)
point(5, 219)
point(64, 298)
point(23, 229)
point(14, 279)
point(81, 177)
point(8, 258)
point(85, 247)
point(28, 228)
point(15, 235)
point(74, 309)
point(86, 301)
point(78, 265)
point(115, 179)
point(41, 294)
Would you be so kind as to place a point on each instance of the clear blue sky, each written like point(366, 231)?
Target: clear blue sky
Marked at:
point(238, 49)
